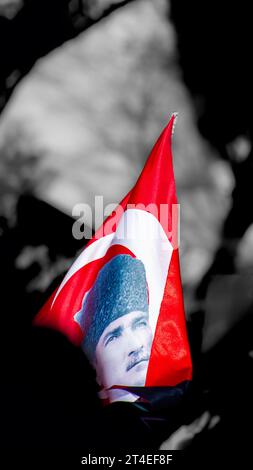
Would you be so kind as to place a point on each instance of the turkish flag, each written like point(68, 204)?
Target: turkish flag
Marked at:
point(122, 300)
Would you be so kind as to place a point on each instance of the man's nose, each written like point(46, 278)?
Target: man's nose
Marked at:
point(136, 351)
point(135, 344)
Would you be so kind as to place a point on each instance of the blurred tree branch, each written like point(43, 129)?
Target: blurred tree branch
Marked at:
point(36, 27)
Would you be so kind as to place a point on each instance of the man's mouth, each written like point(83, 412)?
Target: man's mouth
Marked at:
point(136, 362)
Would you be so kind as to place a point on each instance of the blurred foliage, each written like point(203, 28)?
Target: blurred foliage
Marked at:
point(20, 173)
point(32, 28)
point(9, 8)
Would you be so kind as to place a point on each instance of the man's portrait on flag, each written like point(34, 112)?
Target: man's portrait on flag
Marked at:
point(115, 320)
point(124, 303)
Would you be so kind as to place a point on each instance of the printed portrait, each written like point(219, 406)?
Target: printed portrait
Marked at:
point(115, 320)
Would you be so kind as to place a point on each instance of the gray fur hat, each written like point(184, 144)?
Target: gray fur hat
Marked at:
point(120, 288)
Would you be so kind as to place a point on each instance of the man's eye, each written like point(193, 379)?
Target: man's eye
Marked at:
point(141, 323)
point(110, 339)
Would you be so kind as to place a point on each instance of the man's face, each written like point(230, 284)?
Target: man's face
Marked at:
point(123, 351)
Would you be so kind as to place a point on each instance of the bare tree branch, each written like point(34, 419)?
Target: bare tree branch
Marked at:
point(39, 27)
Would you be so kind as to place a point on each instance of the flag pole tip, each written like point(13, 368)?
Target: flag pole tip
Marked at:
point(174, 116)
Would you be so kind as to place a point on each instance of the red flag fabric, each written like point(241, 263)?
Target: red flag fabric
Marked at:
point(122, 300)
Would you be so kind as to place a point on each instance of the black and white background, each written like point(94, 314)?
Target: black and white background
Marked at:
point(86, 87)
